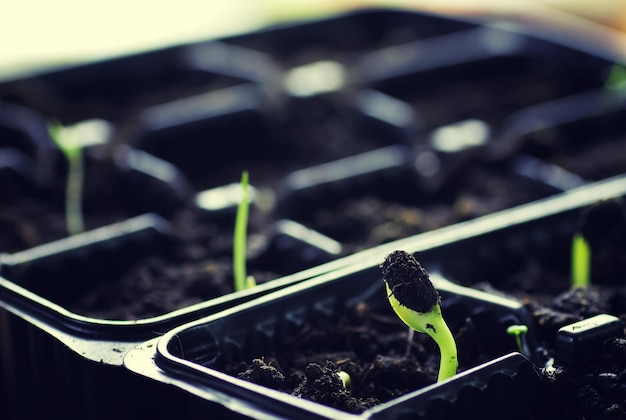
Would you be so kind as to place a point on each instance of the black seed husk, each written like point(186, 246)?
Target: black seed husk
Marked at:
point(409, 282)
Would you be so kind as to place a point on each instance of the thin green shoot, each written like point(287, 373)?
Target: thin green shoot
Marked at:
point(596, 225)
point(519, 332)
point(68, 142)
point(580, 261)
point(240, 239)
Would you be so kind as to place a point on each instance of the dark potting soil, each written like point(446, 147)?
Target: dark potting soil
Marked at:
point(195, 266)
point(364, 341)
point(33, 215)
point(597, 388)
point(366, 221)
point(595, 161)
point(595, 392)
point(369, 345)
point(486, 95)
point(290, 134)
point(326, 127)
point(197, 263)
point(593, 148)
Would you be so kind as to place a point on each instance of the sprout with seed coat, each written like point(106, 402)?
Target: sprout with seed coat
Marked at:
point(416, 302)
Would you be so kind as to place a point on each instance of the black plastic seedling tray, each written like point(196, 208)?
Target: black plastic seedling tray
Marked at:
point(408, 108)
point(192, 356)
point(257, 99)
point(44, 339)
point(196, 351)
point(99, 255)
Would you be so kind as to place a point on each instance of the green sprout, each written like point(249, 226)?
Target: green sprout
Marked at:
point(616, 80)
point(416, 302)
point(614, 89)
point(519, 332)
point(345, 379)
point(596, 224)
point(580, 261)
point(242, 281)
point(68, 142)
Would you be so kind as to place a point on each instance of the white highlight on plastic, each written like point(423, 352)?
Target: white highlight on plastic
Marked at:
point(315, 78)
point(459, 136)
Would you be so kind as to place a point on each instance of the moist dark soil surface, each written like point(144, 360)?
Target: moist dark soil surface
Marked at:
point(195, 265)
point(368, 345)
point(192, 263)
point(594, 389)
point(369, 220)
point(488, 97)
point(601, 158)
point(32, 215)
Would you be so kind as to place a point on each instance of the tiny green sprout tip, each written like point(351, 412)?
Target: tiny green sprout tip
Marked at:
point(616, 80)
point(581, 261)
point(240, 239)
point(519, 332)
point(345, 379)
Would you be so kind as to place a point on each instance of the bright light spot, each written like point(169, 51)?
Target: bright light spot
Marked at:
point(459, 136)
point(315, 78)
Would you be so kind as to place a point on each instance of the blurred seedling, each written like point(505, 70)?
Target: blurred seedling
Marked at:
point(519, 332)
point(240, 239)
point(595, 225)
point(68, 141)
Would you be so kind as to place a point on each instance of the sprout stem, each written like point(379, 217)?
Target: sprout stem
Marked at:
point(242, 281)
point(581, 261)
point(74, 213)
point(519, 332)
point(430, 323)
point(67, 142)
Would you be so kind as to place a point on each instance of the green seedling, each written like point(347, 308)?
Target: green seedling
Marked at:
point(616, 81)
point(345, 379)
point(581, 261)
point(416, 302)
point(614, 89)
point(240, 239)
point(68, 142)
point(519, 332)
point(596, 223)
